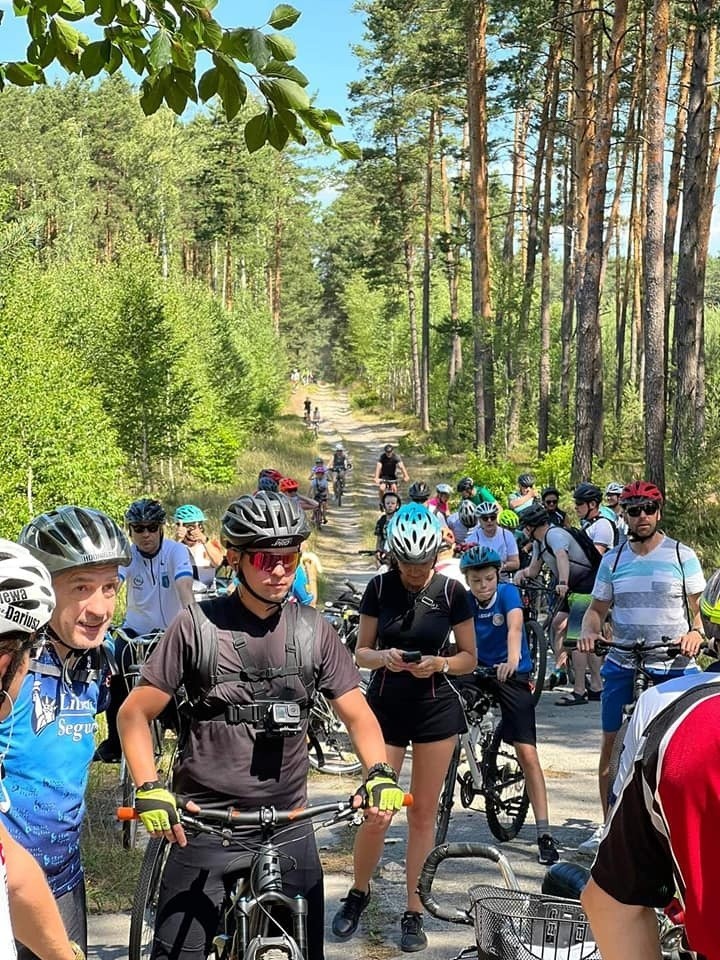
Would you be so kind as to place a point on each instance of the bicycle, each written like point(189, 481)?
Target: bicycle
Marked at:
point(537, 596)
point(338, 484)
point(319, 518)
point(493, 770)
point(509, 923)
point(247, 927)
point(134, 654)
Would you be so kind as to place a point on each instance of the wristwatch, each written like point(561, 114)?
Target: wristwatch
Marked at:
point(78, 952)
point(382, 770)
point(446, 666)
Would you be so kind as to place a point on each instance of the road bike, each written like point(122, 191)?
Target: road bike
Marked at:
point(493, 771)
point(248, 928)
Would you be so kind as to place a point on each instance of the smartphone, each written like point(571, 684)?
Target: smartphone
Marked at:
point(411, 656)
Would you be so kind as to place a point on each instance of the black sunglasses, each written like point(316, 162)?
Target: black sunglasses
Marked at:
point(550, 503)
point(143, 527)
point(649, 509)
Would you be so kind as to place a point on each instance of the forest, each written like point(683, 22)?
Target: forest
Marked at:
point(521, 259)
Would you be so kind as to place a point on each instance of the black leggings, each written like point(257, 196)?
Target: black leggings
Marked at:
point(192, 891)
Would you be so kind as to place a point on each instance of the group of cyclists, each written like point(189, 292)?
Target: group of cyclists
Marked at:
point(447, 599)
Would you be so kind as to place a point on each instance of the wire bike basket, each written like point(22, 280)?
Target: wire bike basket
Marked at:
point(512, 925)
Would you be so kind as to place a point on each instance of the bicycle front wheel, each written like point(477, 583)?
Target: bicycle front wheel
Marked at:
point(506, 796)
point(330, 747)
point(445, 805)
point(144, 907)
point(538, 651)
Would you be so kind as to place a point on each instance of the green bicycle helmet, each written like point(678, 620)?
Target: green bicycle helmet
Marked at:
point(477, 557)
point(189, 513)
point(508, 519)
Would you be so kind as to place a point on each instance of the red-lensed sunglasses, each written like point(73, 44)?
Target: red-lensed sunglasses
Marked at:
point(268, 561)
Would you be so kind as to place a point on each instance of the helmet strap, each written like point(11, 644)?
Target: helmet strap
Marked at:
point(270, 604)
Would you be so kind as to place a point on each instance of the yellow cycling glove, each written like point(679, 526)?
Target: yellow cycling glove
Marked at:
point(381, 789)
point(156, 807)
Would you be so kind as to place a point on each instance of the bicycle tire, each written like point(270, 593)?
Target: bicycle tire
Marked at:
point(505, 806)
point(445, 805)
point(144, 906)
point(338, 753)
point(129, 827)
point(339, 493)
point(537, 641)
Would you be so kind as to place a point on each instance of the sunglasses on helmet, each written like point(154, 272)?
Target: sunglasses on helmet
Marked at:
point(267, 562)
point(144, 527)
point(650, 508)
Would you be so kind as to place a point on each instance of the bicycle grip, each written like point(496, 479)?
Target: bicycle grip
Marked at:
point(126, 813)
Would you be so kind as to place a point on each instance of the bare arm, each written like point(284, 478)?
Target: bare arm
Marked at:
point(403, 471)
point(514, 644)
point(621, 930)
point(378, 467)
point(34, 913)
point(215, 552)
point(183, 585)
point(591, 628)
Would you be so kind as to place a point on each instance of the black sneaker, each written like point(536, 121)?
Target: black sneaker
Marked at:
point(346, 920)
point(558, 678)
point(108, 752)
point(547, 851)
point(412, 936)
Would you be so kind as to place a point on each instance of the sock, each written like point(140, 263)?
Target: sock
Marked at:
point(542, 827)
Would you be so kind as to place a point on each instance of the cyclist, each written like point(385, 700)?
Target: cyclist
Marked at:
point(489, 534)
point(613, 492)
point(207, 555)
point(159, 582)
point(447, 563)
point(502, 644)
point(462, 521)
point(316, 419)
point(227, 761)
point(391, 503)
point(47, 742)
point(307, 407)
point(318, 465)
point(411, 610)
point(525, 496)
point(419, 492)
point(550, 498)
point(469, 490)
point(269, 480)
point(565, 558)
point(386, 470)
point(651, 587)
point(319, 490)
point(26, 603)
point(341, 461)
point(439, 503)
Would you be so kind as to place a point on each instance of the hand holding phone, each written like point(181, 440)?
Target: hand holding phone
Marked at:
point(411, 656)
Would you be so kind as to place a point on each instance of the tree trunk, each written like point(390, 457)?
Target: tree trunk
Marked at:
point(653, 252)
point(451, 271)
point(568, 297)
point(427, 263)
point(480, 227)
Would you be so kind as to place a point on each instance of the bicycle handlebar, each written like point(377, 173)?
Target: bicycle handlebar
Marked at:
point(264, 817)
point(144, 639)
point(456, 851)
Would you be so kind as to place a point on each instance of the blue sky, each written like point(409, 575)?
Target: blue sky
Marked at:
point(323, 34)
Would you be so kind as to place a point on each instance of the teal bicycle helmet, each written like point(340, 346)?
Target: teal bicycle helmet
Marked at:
point(476, 557)
point(413, 534)
point(189, 513)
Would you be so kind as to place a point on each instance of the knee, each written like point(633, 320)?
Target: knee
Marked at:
point(421, 816)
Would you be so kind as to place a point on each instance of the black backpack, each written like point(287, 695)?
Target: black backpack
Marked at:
point(202, 675)
point(592, 555)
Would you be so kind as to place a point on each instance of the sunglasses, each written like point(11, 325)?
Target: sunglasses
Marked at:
point(144, 527)
point(268, 561)
point(550, 503)
point(649, 509)
point(488, 519)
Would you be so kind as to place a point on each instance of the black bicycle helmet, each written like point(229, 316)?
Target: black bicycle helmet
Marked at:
point(535, 516)
point(467, 483)
point(586, 493)
point(264, 521)
point(75, 537)
point(419, 491)
point(145, 511)
point(565, 880)
point(546, 491)
point(526, 480)
point(389, 493)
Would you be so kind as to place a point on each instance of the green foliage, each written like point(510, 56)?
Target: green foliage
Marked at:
point(499, 478)
point(555, 467)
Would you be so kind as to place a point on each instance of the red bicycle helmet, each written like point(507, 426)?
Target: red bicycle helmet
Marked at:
point(288, 485)
point(641, 490)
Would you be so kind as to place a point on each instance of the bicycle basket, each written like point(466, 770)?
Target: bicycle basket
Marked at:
point(511, 925)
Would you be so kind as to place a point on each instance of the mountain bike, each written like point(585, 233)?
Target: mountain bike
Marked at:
point(247, 927)
point(540, 605)
point(344, 614)
point(493, 771)
point(338, 484)
point(330, 749)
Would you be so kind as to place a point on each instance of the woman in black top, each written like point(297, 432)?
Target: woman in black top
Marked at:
point(406, 616)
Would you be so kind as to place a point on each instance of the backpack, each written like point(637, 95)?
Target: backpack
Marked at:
point(592, 555)
point(613, 524)
point(202, 674)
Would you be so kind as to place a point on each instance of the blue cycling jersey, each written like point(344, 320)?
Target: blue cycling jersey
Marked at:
point(47, 744)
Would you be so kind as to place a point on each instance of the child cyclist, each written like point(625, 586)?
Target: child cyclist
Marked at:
point(502, 644)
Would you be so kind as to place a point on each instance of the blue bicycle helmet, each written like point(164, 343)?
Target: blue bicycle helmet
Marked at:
point(476, 557)
point(189, 513)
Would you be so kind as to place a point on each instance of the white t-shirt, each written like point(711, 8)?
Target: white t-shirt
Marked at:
point(153, 600)
point(203, 564)
point(502, 542)
point(7, 940)
point(600, 532)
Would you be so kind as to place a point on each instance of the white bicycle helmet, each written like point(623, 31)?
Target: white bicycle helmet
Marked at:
point(467, 513)
point(413, 534)
point(614, 487)
point(27, 599)
point(486, 510)
point(75, 537)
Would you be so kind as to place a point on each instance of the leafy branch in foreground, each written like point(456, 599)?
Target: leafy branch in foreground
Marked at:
point(160, 41)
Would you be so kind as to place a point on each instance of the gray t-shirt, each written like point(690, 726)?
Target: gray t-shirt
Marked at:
point(232, 764)
point(557, 538)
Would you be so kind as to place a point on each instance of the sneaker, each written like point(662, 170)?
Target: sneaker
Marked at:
point(547, 851)
point(346, 920)
point(108, 752)
point(558, 678)
point(412, 936)
point(589, 847)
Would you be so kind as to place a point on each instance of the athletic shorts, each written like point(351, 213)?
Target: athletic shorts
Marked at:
point(417, 721)
point(517, 707)
point(192, 891)
point(618, 690)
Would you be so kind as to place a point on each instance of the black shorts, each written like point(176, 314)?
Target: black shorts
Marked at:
point(417, 721)
point(517, 707)
point(192, 890)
